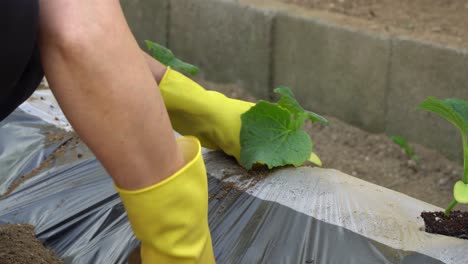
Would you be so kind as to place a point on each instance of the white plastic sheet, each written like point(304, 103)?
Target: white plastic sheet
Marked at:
point(359, 222)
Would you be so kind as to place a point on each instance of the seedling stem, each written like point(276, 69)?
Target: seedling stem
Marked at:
point(465, 158)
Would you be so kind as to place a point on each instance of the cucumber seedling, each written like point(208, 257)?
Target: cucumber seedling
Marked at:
point(272, 134)
point(456, 112)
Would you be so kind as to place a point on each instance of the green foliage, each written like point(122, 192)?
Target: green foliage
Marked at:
point(456, 112)
point(272, 134)
point(166, 57)
point(403, 143)
point(289, 102)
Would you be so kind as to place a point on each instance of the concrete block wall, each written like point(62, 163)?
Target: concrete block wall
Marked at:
point(229, 41)
point(333, 70)
point(148, 19)
point(372, 80)
point(418, 70)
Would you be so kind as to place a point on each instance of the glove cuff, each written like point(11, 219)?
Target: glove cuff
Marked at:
point(170, 218)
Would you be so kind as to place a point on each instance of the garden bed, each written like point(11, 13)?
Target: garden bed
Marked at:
point(331, 214)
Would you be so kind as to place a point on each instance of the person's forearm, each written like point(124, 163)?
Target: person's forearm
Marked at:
point(107, 91)
point(157, 68)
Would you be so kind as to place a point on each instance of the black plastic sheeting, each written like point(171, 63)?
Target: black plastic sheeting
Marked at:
point(76, 211)
point(72, 202)
point(23, 146)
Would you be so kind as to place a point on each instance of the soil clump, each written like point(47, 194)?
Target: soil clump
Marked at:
point(456, 224)
point(19, 245)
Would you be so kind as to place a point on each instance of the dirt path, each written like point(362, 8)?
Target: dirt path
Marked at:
point(444, 21)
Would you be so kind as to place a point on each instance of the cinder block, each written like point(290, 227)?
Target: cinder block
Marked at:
point(419, 70)
point(230, 41)
point(332, 69)
point(148, 19)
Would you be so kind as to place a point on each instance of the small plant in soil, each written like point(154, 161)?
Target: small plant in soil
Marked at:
point(272, 133)
point(451, 223)
point(403, 143)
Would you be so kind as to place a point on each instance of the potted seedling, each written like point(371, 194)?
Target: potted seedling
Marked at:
point(449, 222)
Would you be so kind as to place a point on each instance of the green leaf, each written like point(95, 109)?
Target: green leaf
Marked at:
point(453, 110)
point(400, 141)
point(461, 107)
point(300, 120)
point(270, 136)
point(317, 118)
point(315, 159)
point(289, 102)
point(403, 144)
point(166, 57)
point(460, 192)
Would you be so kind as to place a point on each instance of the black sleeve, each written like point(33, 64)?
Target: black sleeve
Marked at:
point(20, 64)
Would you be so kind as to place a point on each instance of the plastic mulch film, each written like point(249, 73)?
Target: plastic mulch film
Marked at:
point(70, 198)
point(19, 157)
point(302, 215)
point(313, 215)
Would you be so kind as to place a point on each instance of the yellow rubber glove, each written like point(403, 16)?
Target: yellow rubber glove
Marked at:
point(210, 116)
point(171, 218)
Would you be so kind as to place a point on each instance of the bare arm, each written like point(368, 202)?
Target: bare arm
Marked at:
point(107, 91)
point(157, 69)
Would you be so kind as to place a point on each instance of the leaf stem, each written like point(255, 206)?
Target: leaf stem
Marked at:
point(450, 207)
point(465, 158)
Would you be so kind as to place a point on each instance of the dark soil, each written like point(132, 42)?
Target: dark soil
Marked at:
point(456, 224)
point(437, 20)
point(135, 257)
point(19, 245)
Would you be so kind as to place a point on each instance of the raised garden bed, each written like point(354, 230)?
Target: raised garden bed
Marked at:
point(332, 215)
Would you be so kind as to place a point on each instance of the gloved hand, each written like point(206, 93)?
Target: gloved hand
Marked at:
point(210, 116)
point(171, 217)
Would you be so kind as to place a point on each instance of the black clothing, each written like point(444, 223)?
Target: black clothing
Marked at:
point(20, 65)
